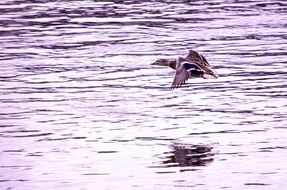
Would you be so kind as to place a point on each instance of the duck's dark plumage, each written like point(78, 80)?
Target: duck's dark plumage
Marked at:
point(190, 66)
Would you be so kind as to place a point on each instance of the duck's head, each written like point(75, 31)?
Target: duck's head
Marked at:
point(165, 62)
point(161, 62)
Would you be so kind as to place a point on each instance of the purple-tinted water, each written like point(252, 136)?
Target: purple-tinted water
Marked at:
point(81, 108)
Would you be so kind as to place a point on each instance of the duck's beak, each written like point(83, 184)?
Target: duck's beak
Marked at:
point(152, 63)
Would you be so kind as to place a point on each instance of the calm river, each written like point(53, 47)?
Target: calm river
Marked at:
point(81, 108)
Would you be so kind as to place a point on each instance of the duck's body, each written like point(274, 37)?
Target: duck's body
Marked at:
point(184, 70)
point(193, 65)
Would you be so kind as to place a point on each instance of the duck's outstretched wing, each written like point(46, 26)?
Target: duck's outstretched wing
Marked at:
point(181, 75)
point(197, 57)
point(201, 61)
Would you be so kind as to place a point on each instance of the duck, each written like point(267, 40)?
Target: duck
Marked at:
point(194, 65)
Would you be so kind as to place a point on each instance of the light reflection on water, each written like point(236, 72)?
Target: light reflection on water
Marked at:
point(81, 108)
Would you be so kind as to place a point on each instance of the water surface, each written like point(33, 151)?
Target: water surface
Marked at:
point(81, 108)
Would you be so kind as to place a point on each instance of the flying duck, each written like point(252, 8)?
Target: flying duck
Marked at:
point(193, 65)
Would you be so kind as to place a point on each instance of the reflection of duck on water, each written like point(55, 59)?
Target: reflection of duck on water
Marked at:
point(193, 65)
point(189, 155)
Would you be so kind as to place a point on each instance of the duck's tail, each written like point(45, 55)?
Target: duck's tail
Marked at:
point(210, 74)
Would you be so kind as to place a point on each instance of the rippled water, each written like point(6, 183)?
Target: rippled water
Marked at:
point(81, 108)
